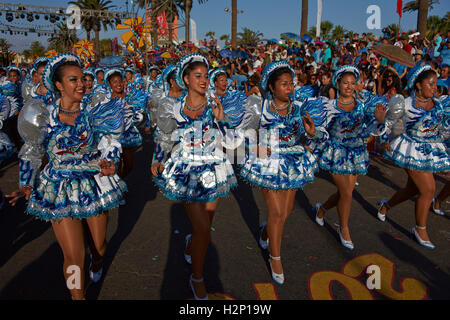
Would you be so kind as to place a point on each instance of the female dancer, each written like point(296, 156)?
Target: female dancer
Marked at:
point(79, 180)
point(280, 124)
point(420, 149)
point(197, 171)
point(344, 155)
point(40, 91)
point(131, 138)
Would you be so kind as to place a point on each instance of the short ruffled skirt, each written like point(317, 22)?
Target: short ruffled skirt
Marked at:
point(77, 198)
point(196, 182)
point(288, 171)
point(421, 156)
point(131, 138)
point(342, 159)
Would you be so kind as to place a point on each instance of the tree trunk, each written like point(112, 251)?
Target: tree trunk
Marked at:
point(422, 18)
point(97, 42)
point(234, 23)
point(170, 23)
point(188, 5)
point(304, 27)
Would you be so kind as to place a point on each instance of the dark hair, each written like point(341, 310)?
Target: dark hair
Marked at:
point(41, 64)
point(58, 74)
point(276, 75)
point(187, 71)
point(115, 73)
point(343, 75)
point(423, 76)
point(14, 70)
point(171, 76)
point(396, 82)
point(220, 73)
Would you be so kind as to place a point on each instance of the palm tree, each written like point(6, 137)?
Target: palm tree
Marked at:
point(422, 18)
point(97, 21)
point(63, 39)
point(210, 34)
point(338, 32)
point(234, 23)
point(304, 28)
point(249, 37)
point(4, 45)
point(186, 5)
point(325, 28)
point(414, 5)
point(437, 25)
point(225, 37)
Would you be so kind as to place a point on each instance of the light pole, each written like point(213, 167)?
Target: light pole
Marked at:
point(234, 13)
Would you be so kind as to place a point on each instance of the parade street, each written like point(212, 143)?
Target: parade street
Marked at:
point(144, 259)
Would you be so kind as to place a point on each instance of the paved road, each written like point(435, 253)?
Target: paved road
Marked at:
point(145, 261)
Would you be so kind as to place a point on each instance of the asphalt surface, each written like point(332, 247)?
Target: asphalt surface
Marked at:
point(144, 260)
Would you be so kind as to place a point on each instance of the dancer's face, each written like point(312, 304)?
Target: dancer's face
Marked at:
point(13, 76)
point(100, 75)
point(89, 81)
point(116, 84)
point(129, 75)
point(347, 85)
point(197, 80)
point(284, 87)
point(221, 82)
point(428, 86)
point(39, 72)
point(72, 85)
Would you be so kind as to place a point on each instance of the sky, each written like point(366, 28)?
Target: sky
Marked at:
point(270, 17)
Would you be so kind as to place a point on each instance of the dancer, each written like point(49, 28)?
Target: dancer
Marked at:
point(420, 149)
point(79, 181)
point(197, 171)
point(40, 91)
point(345, 155)
point(131, 104)
point(282, 164)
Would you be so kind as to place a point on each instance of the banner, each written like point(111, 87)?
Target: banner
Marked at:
point(162, 24)
point(400, 7)
point(319, 17)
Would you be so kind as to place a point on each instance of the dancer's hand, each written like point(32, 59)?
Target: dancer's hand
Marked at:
point(108, 168)
point(25, 191)
point(309, 125)
point(217, 109)
point(380, 113)
point(157, 168)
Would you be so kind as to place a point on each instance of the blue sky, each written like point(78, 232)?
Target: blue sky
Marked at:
point(267, 16)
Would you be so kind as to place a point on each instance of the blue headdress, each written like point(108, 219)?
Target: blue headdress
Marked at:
point(165, 75)
point(270, 69)
point(340, 71)
point(98, 70)
point(108, 75)
point(213, 74)
point(184, 62)
point(52, 65)
point(130, 69)
point(89, 71)
point(152, 68)
point(414, 73)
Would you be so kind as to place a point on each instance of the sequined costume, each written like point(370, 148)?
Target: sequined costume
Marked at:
point(290, 165)
point(421, 145)
point(70, 185)
point(6, 145)
point(195, 167)
point(345, 152)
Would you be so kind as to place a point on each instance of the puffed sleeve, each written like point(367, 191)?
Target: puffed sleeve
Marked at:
point(138, 100)
point(165, 126)
point(252, 113)
point(5, 108)
point(156, 97)
point(32, 125)
point(317, 110)
point(395, 111)
point(106, 117)
point(374, 128)
point(444, 129)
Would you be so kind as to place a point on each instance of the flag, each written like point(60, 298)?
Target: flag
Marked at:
point(400, 7)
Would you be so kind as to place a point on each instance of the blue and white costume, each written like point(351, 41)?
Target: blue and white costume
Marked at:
point(69, 186)
point(195, 167)
point(233, 101)
point(345, 152)
point(290, 165)
point(6, 145)
point(421, 145)
point(132, 106)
